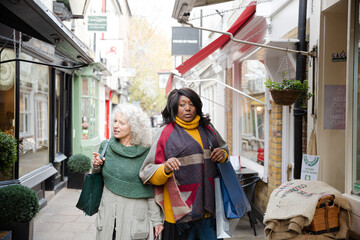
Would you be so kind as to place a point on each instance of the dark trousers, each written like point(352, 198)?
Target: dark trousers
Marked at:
point(202, 229)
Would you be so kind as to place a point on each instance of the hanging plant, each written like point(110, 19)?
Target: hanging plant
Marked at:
point(288, 91)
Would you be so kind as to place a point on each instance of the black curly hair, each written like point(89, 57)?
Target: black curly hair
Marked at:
point(171, 108)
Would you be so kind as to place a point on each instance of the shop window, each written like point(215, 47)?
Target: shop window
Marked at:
point(7, 93)
point(209, 104)
point(88, 108)
point(252, 112)
point(57, 112)
point(34, 119)
point(356, 122)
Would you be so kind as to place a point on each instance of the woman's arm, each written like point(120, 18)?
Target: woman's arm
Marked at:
point(156, 216)
point(221, 153)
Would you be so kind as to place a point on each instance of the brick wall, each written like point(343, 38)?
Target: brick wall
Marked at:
point(229, 103)
point(263, 190)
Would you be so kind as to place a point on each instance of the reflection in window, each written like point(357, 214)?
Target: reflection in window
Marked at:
point(33, 124)
point(88, 108)
point(252, 112)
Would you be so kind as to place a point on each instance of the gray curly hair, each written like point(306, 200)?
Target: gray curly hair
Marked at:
point(139, 122)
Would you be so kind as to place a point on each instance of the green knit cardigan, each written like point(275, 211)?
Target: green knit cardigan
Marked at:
point(121, 170)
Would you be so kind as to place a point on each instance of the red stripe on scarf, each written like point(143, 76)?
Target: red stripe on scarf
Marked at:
point(160, 153)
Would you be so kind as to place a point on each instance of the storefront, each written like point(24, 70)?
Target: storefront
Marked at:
point(37, 63)
point(335, 112)
point(88, 109)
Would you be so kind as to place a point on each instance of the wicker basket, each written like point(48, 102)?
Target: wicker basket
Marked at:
point(284, 96)
point(326, 217)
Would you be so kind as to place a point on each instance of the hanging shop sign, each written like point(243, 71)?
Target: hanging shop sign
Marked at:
point(310, 167)
point(185, 41)
point(334, 109)
point(97, 23)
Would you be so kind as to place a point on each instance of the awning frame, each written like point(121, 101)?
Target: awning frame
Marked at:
point(224, 84)
point(312, 53)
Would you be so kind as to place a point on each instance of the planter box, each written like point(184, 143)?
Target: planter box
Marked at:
point(20, 231)
point(75, 180)
point(5, 235)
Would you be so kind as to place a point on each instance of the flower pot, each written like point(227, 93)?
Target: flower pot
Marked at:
point(75, 180)
point(284, 96)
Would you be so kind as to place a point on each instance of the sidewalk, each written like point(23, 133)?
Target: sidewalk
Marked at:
point(61, 220)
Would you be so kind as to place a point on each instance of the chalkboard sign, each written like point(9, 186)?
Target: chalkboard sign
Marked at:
point(334, 107)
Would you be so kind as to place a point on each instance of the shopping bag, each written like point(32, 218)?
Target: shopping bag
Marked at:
point(90, 197)
point(235, 201)
point(224, 227)
point(91, 193)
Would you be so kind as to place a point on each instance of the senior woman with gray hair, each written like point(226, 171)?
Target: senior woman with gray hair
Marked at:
point(127, 209)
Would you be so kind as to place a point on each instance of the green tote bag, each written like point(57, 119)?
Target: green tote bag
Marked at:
point(90, 197)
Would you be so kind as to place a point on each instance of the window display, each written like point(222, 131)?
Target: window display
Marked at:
point(88, 108)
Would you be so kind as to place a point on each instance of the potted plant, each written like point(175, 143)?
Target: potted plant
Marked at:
point(78, 165)
point(288, 91)
point(8, 156)
point(18, 207)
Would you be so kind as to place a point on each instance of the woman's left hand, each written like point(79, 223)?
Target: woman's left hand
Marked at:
point(217, 155)
point(158, 230)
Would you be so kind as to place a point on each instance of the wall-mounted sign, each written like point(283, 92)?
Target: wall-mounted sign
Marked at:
point(334, 108)
point(97, 23)
point(339, 57)
point(185, 41)
point(310, 167)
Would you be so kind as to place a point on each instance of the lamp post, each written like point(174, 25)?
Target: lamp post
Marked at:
point(78, 7)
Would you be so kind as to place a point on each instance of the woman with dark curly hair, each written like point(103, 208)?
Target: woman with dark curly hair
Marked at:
point(182, 167)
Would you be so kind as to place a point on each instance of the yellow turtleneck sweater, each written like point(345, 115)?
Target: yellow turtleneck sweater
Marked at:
point(160, 177)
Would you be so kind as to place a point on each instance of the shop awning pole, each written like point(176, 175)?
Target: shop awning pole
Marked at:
point(312, 53)
point(224, 84)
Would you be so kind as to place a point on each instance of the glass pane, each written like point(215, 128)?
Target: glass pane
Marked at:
point(85, 118)
point(84, 87)
point(34, 129)
point(57, 113)
point(356, 126)
point(7, 98)
point(251, 111)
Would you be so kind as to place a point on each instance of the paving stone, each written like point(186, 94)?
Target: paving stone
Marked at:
point(61, 220)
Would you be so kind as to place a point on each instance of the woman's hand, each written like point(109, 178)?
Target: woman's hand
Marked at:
point(158, 230)
point(217, 155)
point(172, 164)
point(96, 161)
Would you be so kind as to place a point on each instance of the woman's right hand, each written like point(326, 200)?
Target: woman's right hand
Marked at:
point(96, 161)
point(172, 164)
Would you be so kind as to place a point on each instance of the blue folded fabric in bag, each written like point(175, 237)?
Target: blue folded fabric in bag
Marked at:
point(235, 201)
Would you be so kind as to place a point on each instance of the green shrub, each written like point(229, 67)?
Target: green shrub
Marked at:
point(79, 163)
point(8, 150)
point(17, 204)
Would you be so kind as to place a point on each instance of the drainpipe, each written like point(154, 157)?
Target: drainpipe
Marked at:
point(299, 112)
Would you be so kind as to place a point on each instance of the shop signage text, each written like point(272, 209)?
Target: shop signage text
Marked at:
point(334, 108)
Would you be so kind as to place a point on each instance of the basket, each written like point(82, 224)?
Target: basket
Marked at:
point(326, 217)
point(284, 96)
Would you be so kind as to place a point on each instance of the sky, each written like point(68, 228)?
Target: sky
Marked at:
point(158, 13)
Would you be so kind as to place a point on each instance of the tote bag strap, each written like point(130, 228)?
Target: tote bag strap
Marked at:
point(104, 150)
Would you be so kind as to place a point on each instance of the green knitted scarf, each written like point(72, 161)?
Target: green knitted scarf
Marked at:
point(121, 170)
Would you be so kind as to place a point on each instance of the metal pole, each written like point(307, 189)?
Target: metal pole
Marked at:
point(312, 53)
point(299, 112)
